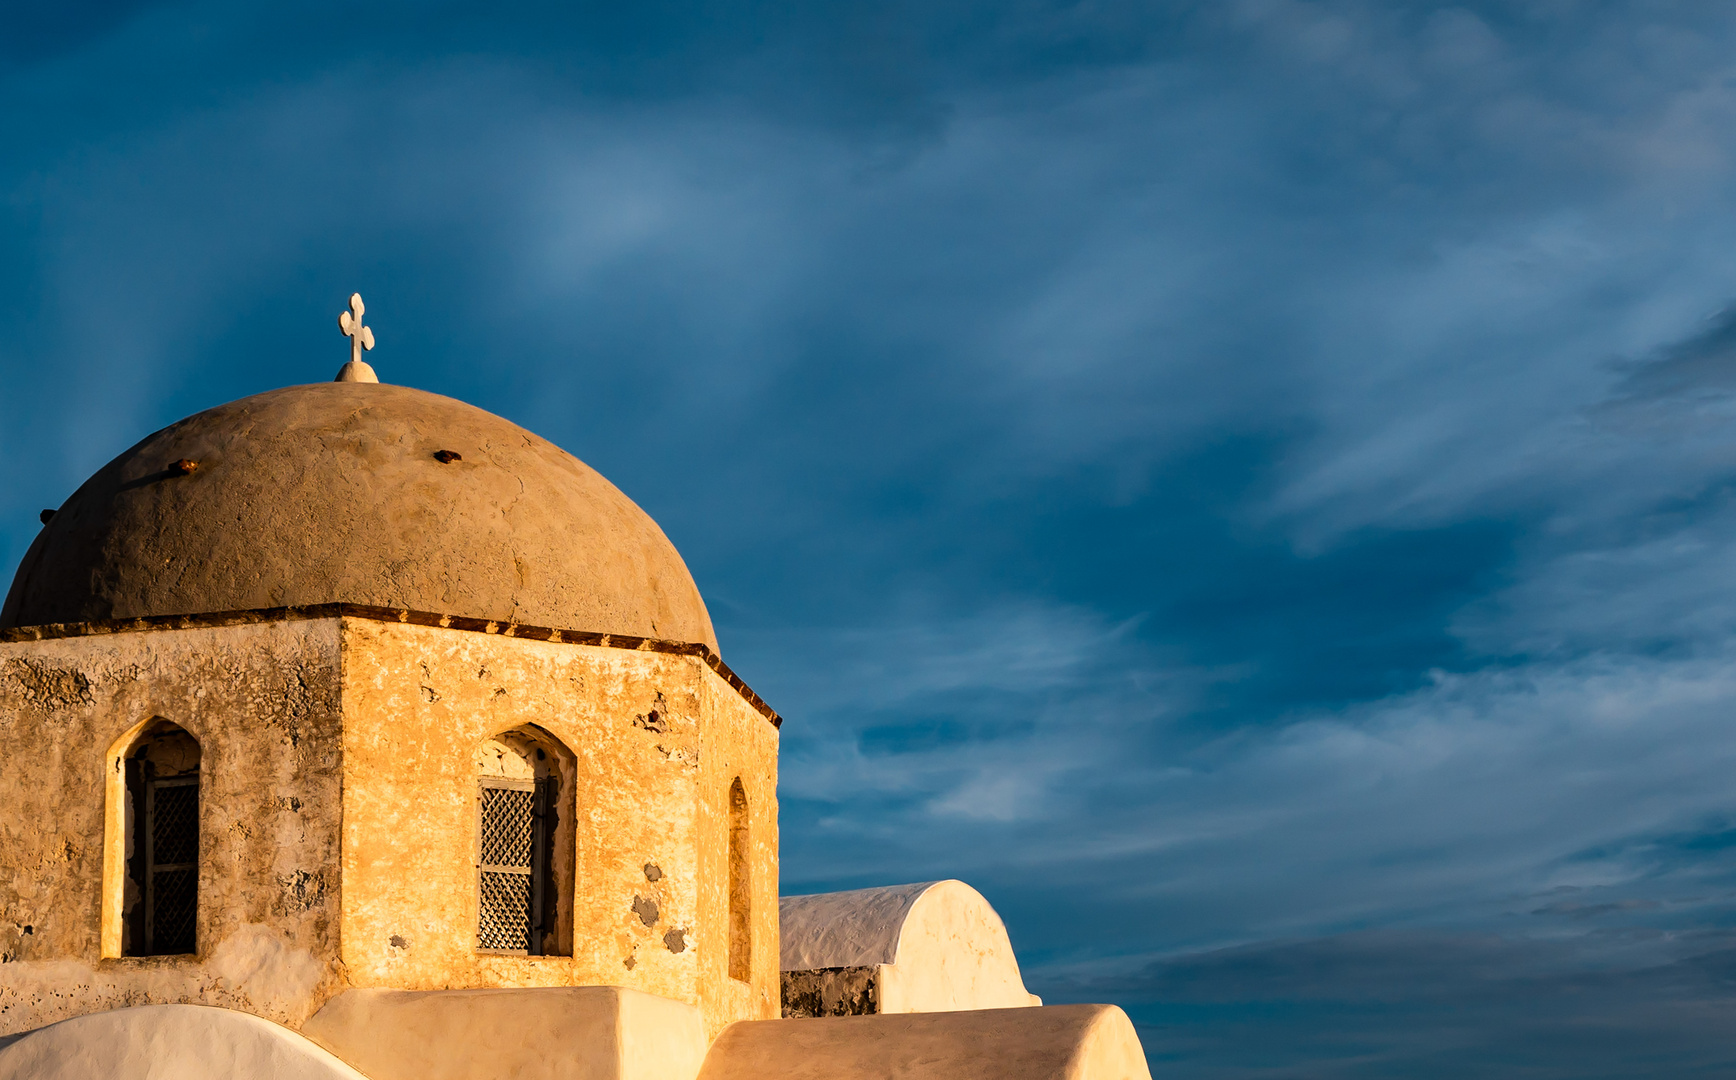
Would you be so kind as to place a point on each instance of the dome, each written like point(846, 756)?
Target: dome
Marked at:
point(361, 493)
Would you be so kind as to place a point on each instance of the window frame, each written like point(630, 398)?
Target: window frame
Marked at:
point(131, 822)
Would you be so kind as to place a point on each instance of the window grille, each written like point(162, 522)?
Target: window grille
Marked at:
point(512, 849)
point(171, 871)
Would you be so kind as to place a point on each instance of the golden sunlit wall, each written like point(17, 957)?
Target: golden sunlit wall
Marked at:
point(339, 767)
point(656, 743)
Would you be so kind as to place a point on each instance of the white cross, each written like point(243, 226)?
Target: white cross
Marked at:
point(350, 322)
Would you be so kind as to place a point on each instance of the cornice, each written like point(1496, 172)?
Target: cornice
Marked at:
point(52, 631)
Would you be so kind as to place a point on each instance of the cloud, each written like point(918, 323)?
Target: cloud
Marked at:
point(1247, 485)
point(1569, 790)
point(1433, 1005)
point(1703, 366)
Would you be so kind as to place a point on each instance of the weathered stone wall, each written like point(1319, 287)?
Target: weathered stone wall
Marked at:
point(263, 701)
point(838, 991)
point(738, 742)
point(657, 739)
point(338, 786)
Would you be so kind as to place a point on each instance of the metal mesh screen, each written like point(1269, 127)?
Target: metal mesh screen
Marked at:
point(508, 825)
point(175, 824)
point(173, 902)
point(505, 921)
point(506, 835)
point(174, 912)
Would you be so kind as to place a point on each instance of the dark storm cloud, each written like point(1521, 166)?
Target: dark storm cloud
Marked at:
point(1247, 485)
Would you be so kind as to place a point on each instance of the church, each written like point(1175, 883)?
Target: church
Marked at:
point(358, 732)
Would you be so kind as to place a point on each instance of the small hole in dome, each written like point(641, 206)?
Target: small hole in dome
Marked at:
point(447, 457)
point(184, 466)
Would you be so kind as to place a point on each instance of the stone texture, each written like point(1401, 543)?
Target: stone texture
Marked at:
point(839, 991)
point(332, 493)
point(338, 785)
point(1056, 1042)
point(263, 701)
point(657, 739)
point(578, 1033)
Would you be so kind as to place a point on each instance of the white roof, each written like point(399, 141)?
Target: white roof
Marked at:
point(858, 928)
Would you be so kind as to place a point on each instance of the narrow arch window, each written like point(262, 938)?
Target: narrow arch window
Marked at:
point(740, 886)
point(160, 907)
point(524, 844)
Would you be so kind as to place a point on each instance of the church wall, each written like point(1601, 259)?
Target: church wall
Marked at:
point(642, 727)
point(739, 742)
point(262, 699)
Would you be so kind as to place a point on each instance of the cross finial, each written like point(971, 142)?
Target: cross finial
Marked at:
point(361, 337)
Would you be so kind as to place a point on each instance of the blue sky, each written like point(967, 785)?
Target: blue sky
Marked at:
point(1250, 486)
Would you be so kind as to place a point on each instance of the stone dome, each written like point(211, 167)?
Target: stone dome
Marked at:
point(338, 493)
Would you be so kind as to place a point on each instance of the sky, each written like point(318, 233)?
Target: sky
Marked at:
point(1250, 486)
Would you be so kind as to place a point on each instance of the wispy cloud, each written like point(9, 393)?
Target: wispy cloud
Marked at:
point(1247, 485)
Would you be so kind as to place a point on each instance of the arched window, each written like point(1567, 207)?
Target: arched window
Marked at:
point(524, 844)
point(160, 907)
point(740, 887)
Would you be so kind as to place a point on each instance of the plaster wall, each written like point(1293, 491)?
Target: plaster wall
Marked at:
point(657, 739)
point(1056, 1042)
point(263, 701)
point(186, 1042)
point(953, 953)
point(551, 1033)
point(932, 946)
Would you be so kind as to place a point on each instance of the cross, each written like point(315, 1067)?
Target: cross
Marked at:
point(350, 322)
